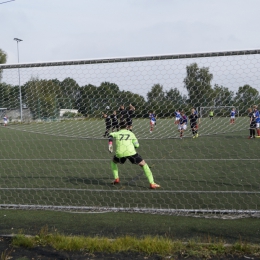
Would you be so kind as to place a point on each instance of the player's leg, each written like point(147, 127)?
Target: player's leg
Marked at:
point(196, 130)
point(107, 131)
point(151, 126)
point(114, 168)
point(192, 126)
point(137, 159)
point(258, 129)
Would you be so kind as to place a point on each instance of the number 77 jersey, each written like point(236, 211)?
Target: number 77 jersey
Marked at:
point(126, 142)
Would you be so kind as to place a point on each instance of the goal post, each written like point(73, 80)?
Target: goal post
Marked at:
point(218, 111)
point(208, 167)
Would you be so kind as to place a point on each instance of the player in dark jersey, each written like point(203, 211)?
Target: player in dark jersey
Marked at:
point(108, 124)
point(194, 122)
point(252, 125)
point(115, 124)
point(130, 115)
point(123, 114)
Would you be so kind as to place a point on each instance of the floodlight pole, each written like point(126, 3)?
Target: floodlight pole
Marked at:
point(20, 90)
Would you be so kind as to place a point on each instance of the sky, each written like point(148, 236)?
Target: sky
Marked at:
point(56, 30)
point(62, 30)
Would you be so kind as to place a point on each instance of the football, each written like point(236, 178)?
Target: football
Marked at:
point(107, 107)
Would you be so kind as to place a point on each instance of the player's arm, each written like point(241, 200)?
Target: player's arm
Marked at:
point(110, 143)
point(135, 142)
point(132, 107)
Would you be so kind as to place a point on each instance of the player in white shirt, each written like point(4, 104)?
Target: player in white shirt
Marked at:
point(182, 126)
point(5, 120)
point(177, 117)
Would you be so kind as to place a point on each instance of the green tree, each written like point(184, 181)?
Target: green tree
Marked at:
point(222, 96)
point(198, 84)
point(68, 94)
point(246, 96)
point(41, 98)
point(3, 59)
point(9, 96)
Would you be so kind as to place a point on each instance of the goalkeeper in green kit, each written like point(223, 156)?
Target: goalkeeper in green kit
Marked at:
point(126, 142)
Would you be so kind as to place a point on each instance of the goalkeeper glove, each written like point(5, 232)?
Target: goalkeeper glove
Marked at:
point(110, 147)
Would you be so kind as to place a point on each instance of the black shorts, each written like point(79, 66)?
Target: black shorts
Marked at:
point(253, 125)
point(193, 125)
point(134, 159)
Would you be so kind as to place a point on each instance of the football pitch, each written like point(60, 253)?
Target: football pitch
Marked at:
point(67, 164)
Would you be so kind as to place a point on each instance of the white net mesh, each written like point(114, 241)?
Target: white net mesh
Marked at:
point(54, 154)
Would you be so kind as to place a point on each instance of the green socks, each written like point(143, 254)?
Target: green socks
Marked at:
point(148, 173)
point(114, 169)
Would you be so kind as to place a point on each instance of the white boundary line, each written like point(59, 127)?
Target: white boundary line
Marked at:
point(137, 210)
point(132, 191)
point(170, 159)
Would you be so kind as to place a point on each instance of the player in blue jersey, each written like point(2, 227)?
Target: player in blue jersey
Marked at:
point(5, 120)
point(152, 117)
point(232, 116)
point(177, 116)
point(182, 126)
point(257, 120)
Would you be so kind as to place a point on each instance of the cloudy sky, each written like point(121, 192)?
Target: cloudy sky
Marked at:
point(55, 30)
point(62, 30)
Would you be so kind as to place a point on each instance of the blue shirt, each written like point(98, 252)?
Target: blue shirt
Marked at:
point(257, 116)
point(177, 114)
point(232, 113)
point(183, 120)
point(152, 117)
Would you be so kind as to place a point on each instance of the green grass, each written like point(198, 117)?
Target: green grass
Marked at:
point(56, 164)
point(147, 245)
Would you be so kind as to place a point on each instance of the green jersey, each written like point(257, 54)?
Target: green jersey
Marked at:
point(211, 113)
point(126, 142)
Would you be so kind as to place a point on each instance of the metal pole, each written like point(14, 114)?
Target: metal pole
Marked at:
point(20, 89)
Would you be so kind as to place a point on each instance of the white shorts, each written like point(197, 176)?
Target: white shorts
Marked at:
point(152, 122)
point(5, 122)
point(177, 118)
point(182, 127)
point(232, 117)
point(257, 125)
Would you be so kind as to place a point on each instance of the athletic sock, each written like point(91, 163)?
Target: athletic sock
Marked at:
point(114, 169)
point(148, 173)
point(258, 132)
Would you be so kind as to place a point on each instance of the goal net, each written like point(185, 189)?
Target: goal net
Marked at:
point(54, 155)
point(219, 111)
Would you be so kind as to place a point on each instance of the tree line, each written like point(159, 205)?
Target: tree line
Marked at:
point(45, 98)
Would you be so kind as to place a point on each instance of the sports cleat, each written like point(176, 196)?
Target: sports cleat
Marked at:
point(194, 136)
point(116, 181)
point(154, 186)
point(197, 135)
point(258, 136)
